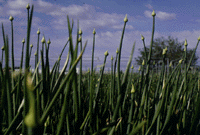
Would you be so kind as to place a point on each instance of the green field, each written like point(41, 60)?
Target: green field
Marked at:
point(95, 102)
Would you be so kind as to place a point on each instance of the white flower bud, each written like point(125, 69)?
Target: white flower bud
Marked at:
point(139, 69)
point(38, 32)
point(126, 19)
point(132, 89)
point(11, 18)
point(80, 32)
point(164, 51)
point(117, 51)
point(143, 63)
point(153, 13)
point(43, 40)
point(23, 41)
point(28, 7)
point(94, 32)
point(185, 43)
point(199, 38)
point(106, 53)
point(31, 119)
point(49, 42)
point(79, 39)
point(132, 67)
point(142, 37)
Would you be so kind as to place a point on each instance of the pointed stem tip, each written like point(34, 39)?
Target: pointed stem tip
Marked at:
point(142, 37)
point(80, 32)
point(94, 32)
point(185, 43)
point(199, 38)
point(28, 6)
point(106, 53)
point(126, 19)
point(43, 40)
point(49, 42)
point(23, 41)
point(38, 32)
point(153, 13)
point(11, 18)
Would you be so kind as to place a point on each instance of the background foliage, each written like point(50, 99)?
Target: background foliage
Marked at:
point(174, 54)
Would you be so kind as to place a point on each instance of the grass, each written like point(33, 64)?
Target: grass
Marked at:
point(52, 102)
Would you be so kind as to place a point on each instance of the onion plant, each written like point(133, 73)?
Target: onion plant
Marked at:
point(95, 102)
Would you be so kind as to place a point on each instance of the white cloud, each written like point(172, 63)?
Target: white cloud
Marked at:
point(147, 13)
point(80, 12)
point(108, 34)
point(117, 26)
point(191, 37)
point(130, 27)
point(198, 20)
point(18, 4)
point(88, 17)
point(165, 15)
point(149, 6)
point(14, 12)
point(44, 4)
point(161, 15)
point(4, 20)
point(108, 27)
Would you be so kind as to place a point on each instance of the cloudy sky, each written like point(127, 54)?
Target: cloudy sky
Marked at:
point(179, 19)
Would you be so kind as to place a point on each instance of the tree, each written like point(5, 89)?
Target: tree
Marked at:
point(174, 54)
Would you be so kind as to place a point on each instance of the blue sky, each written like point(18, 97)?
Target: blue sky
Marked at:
point(179, 19)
